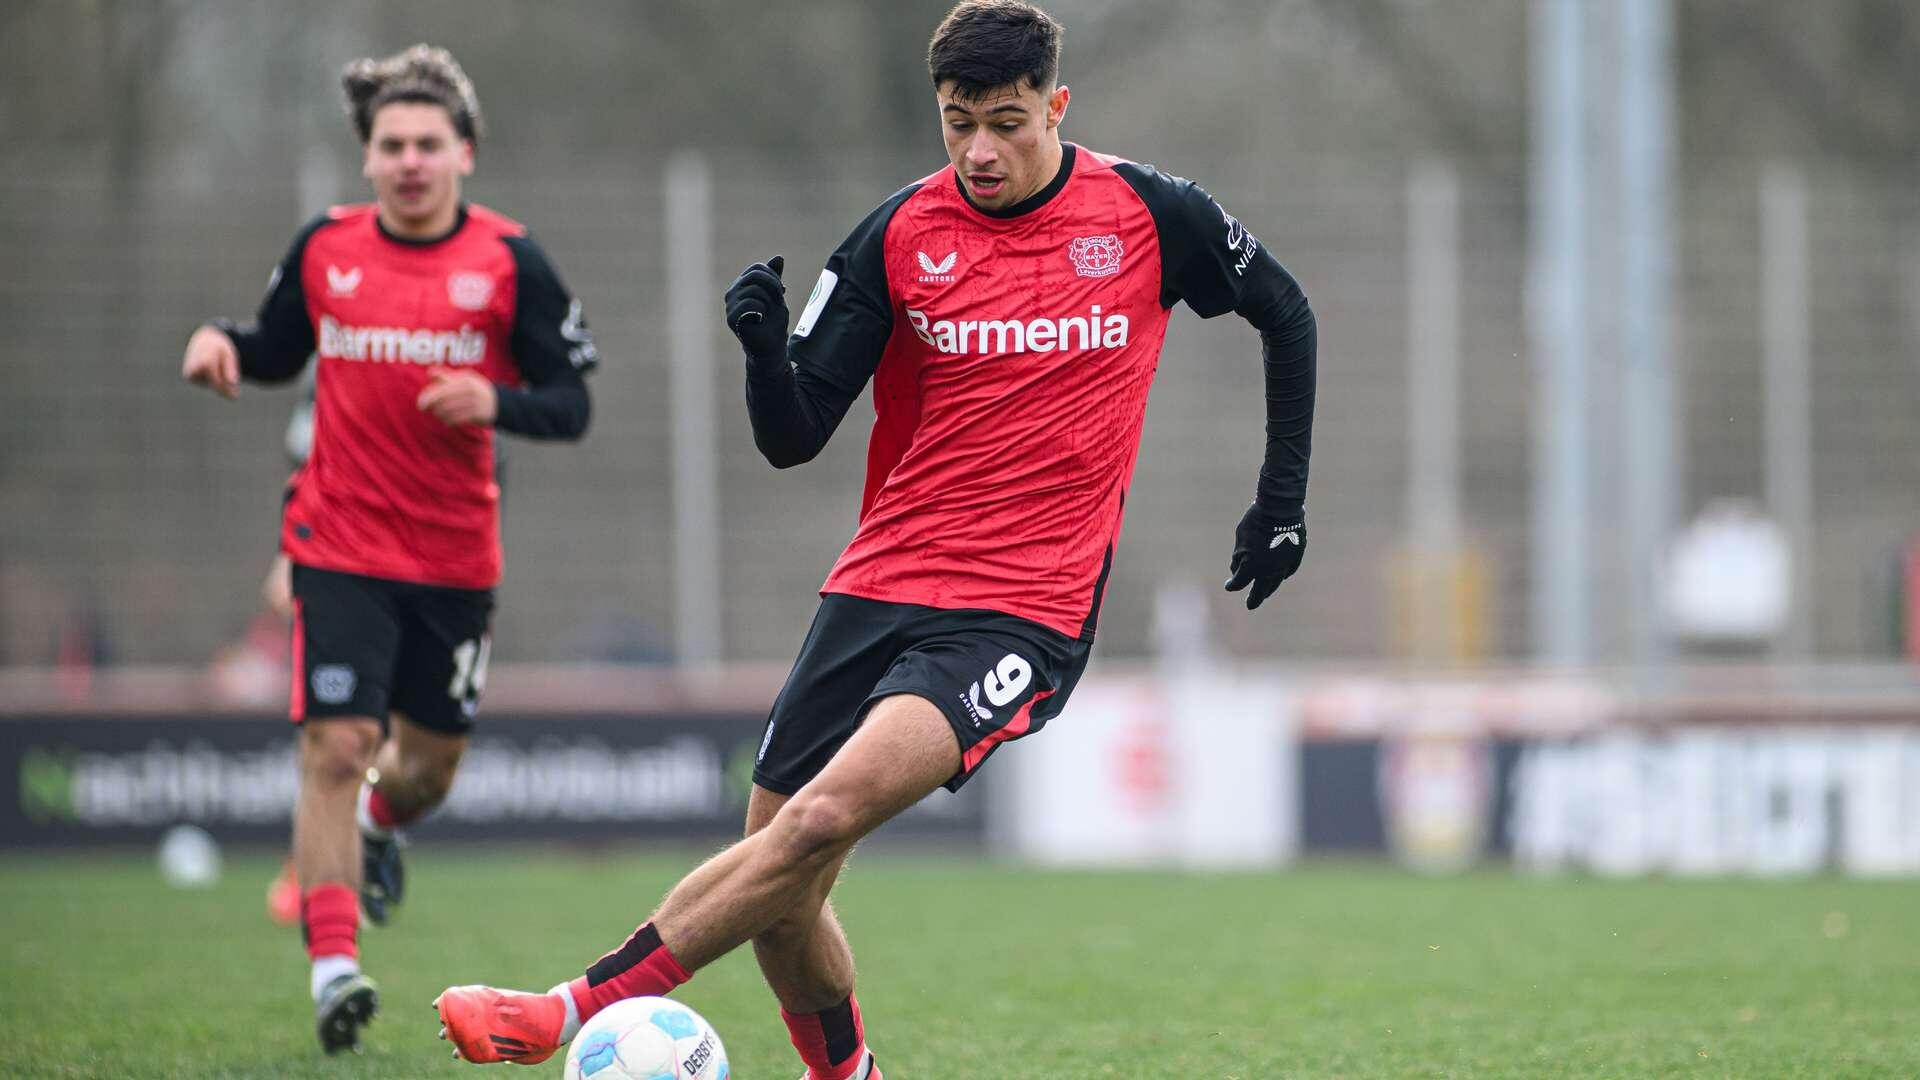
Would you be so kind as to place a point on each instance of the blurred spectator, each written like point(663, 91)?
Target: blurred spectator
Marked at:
point(82, 645)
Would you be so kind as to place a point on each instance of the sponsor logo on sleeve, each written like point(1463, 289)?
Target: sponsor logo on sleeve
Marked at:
point(1241, 243)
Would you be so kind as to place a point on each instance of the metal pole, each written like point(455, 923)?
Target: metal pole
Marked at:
point(1650, 446)
point(1557, 336)
point(1785, 289)
point(1433, 404)
point(696, 474)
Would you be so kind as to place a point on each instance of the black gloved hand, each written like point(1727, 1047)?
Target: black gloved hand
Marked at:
point(1266, 551)
point(757, 309)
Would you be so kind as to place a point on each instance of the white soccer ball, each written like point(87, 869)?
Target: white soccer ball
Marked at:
point(189, 857)
point(647, 1038)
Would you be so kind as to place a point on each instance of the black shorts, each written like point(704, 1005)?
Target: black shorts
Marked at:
point(365, 646)
point(996, 677)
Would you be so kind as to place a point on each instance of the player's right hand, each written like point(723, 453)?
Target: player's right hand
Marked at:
point(212, 362)
point(757, 309)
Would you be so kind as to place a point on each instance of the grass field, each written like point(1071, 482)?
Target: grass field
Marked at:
point(975, 972)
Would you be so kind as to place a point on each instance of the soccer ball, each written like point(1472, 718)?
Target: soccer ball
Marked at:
point(647, 1038)
point(189, 857)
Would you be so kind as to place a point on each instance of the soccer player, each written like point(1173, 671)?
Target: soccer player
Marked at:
point(1009, 312)
point(436, 323)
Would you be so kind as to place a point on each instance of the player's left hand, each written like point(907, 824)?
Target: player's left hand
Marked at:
point(1266, 551)
point(460, 397)
point(757, 309)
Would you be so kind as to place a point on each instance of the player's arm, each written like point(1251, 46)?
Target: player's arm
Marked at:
point(273, 348)
point(553, 349)
point(799, 388)
point(1214, 264)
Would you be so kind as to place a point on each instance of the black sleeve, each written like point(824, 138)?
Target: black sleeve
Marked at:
point(275, 346)
point(552, 347)
point(838, 340)
point(1212, 262)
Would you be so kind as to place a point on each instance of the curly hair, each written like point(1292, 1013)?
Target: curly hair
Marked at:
point(425, 74)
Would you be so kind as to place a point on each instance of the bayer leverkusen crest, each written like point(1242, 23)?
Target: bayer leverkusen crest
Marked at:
point(469, 290)
point(1096, 256)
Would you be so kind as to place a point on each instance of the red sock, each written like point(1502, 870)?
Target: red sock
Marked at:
point(330, 921)
point(830, 1041)
point(641, 968)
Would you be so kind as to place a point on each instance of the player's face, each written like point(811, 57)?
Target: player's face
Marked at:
point(1004, 144)
point(415, 159)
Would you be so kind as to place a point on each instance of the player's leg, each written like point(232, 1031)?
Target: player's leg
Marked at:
point(411, 775)
point(283, 893)
point(807, 962)
point(345, 635)
point(999, 678)
point(438, 678)
point(334, 755)
point(413, 772)
point(902, 752)
point(804, 954)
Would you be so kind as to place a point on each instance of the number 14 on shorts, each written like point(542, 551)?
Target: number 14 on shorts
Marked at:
point(470, 672)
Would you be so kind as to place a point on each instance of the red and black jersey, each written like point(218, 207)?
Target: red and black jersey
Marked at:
point(388, 491)
point(1010, 355)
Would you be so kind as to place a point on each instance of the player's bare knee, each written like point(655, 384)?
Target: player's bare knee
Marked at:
point(337, 753)
point(816, 827)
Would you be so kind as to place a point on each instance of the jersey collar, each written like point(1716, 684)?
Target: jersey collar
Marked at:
point(1032, 202)
point(459, 222)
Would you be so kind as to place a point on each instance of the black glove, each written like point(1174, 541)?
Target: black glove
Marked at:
point(1266, 552)
point(757, 310)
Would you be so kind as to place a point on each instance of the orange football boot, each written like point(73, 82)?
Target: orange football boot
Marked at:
point(283, 896)
point(487, 1025)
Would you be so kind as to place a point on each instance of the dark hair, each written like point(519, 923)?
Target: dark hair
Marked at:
point(983, 45)
point(423, 74)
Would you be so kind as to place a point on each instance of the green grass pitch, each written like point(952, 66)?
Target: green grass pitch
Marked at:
point(971, 971)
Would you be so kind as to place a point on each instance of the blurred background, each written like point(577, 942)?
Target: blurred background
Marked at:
point(1614, 468)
